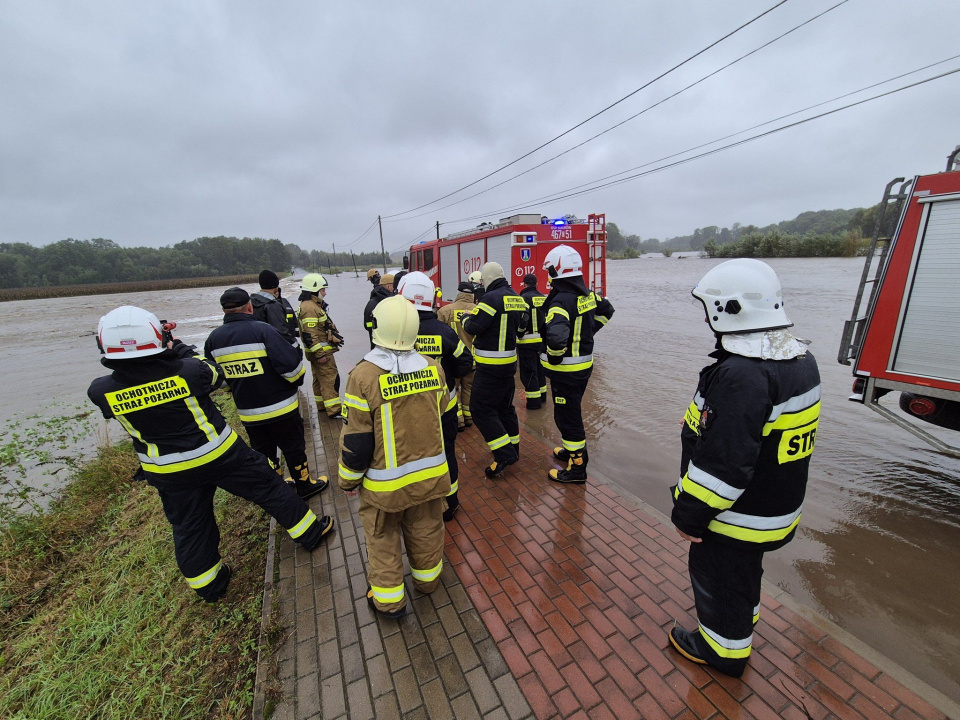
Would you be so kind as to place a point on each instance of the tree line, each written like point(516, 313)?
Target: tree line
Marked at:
point(818, 233)
point(98, 261)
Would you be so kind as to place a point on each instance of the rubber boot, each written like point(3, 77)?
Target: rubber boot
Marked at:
point(453, 504)
point(305, 484)
point(534, 403)
point(694, 648)
point(275, 464)
point(218, 588)
point(576, 474)
point(563, 455)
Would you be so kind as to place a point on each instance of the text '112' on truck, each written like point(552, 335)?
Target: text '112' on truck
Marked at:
point(520, 244)
point(904, 334)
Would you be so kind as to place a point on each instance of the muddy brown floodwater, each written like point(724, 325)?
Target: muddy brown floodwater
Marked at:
point(878, 545)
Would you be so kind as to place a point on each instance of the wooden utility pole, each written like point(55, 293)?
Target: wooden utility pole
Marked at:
point(354, 258)
point(438, 229)
point(334, 245)
point(382, 251)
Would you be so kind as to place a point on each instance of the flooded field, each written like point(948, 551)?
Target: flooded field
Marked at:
point(877, 549)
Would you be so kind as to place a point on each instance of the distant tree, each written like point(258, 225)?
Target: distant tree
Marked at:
point(615, 241)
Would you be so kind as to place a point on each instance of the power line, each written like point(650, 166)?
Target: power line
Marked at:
point(595, 115)
point(560, 196)
point(632, 117)
point(362, 235)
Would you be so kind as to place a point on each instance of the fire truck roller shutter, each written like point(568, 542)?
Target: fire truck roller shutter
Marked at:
point(472, 257)
point(449, 275)
point(931, 321)
point(500, 250)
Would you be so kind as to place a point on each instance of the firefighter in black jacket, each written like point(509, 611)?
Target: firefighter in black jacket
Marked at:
point(439, 341)
point(271, 307)
point(382, 290)
point(530, 345)
point(495, 323)
point(160, 393)
point(746, 444)
point(573, 315)
point(263, 372)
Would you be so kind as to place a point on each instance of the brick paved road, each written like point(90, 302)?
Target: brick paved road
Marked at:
point(556, 603)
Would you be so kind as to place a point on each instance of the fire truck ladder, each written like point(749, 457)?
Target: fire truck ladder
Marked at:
point(888, 213)
point(596, 247)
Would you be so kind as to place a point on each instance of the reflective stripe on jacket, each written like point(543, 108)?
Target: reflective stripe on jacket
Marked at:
point(261, 367)
point(392, 443)
point(573, 316)
point(440, 342)
point(494, 323)
point(315, 326)
point(747, 439)
point(534, 299)
point(454, 313)
point(163, 402)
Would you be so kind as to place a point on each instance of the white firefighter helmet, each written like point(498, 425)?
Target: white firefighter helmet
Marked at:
point(313, 282)
point(395, 324)
point(563, 262)
point(475, 278)
point(129, 332)
point(489, 272)
point(418, 289)
point(742, 295)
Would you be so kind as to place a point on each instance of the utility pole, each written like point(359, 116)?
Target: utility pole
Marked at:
point(335, 255)
point(354, 258)
point(382, 251)
point(438, 229)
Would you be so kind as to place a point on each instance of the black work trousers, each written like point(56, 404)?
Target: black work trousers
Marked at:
point(726, 590)
point(285, 433)
point(567, 389)
point(189, 508)
point(491, 404)
point(532, 376)
point(448, 424)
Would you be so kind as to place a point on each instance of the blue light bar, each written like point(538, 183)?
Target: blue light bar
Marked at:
point(559, 222)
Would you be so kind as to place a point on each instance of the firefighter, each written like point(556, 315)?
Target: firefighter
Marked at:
point(477, 279)
point(572, 315)
point(160, 393)
point(439, 341)
point(384, 289)
point(746, 444)
point(494, 323)
point(264, 374)
point(271, 307)
point(391, 451)
point(453, 315)
point(373, 277)
point(320, 340)
point(530, 345)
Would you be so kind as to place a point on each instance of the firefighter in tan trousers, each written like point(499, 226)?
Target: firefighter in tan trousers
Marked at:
point(452, 315)
point(320, 341)
point(391, 450)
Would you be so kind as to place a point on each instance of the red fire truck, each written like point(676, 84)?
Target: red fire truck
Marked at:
point(520, 244)
point(904, 334)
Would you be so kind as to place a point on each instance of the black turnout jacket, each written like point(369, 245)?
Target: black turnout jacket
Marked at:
point(494, 323)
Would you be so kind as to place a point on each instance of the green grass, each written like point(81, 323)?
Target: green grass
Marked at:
point(97, 621)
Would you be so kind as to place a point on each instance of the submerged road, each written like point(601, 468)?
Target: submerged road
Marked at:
point(877, 547)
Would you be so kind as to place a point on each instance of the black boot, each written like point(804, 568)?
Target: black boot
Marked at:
point(562, 454)
point(694, 648)
point(534, 403)
point(306, 486)
point(218, 588)
point(576, 472)
point(453, 504)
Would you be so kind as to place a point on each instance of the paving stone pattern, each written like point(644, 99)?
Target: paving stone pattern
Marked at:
point(556, 602)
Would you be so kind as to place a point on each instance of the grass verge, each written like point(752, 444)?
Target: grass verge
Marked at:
point(96, 621)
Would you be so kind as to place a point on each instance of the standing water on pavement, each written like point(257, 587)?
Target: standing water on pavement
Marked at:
point(877, 546)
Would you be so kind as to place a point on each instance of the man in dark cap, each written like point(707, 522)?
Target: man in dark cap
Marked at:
point(373, 277)
point(264, 374)
point(530, 345)
point(382, 291)
point(271, 307)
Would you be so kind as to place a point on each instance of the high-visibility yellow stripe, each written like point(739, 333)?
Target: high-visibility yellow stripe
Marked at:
point(296, 376)
point(514, 439)
point(460, 349)
point(726, 652)
point(357, 403)
point(348, 474)
point(152, 449)
point(601, 319)
point(793, 420)
point(567, 368)
point(499, 442)
point(388, 596)
point(703, 494)
point(200, 418)
point(240, 355)
point(486, 308)
point(332, 402)
point(427, 575)
point(206, 578)
point(495, 360)
point(749, 534)
point(195, 462)
point(502, 342)
point(554, 353)
point(301, 527)
point(557, 310)
point(409, 479)
point(454, 486)
point(577, 325)
point(389, 442)
point(573, 445)
point(692, 417)
point(291, 406)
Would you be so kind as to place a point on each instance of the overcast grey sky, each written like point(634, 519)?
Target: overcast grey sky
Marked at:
point(154, 122)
